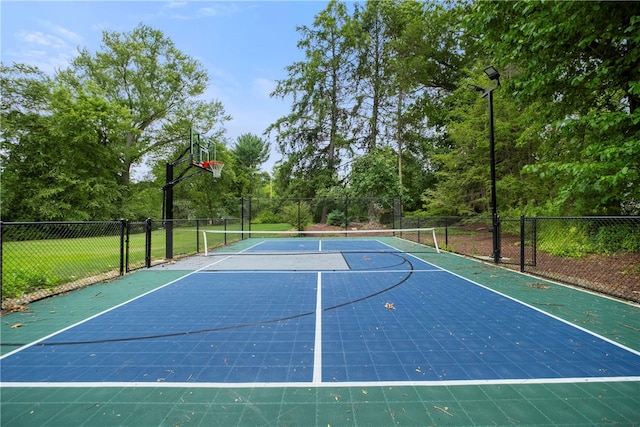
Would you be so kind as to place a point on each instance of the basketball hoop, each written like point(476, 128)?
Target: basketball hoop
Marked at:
point(214, 166)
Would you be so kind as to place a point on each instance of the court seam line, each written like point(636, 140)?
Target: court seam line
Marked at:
point(298, 384)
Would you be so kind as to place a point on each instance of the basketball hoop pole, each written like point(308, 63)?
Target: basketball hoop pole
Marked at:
point(170, 181)
point(194, 149)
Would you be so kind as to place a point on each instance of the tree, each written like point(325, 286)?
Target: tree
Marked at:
point(157, 85)
point(54, 167)
point(314, 136)
point(580, 63)
point(250, 153)
point(462, 165)
point(134, 99)
point(374, 176)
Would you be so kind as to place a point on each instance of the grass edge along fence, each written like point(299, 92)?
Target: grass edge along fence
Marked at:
point(42, 259)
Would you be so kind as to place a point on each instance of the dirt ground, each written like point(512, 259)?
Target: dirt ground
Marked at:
point(616, 275)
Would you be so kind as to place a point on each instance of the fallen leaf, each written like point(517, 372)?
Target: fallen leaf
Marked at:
point(390, 306)
point(444, 410)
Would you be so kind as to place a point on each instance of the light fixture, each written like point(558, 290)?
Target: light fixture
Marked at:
point(492, 73)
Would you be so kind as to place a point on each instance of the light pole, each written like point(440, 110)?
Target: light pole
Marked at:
point(493, 74)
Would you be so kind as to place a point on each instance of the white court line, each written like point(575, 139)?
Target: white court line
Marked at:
point(113, 308)
point(447, 383)
point(317, 347)
point(566, 322)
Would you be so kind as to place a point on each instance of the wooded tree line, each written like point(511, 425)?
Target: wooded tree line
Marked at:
point(380, 107)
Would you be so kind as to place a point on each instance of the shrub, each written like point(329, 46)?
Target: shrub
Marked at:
point(297, 214)
point(337, 217)
point(616, 238)
point(558, 242)
point(267, 217)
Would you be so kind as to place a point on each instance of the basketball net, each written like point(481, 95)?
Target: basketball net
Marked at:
point(214, 166)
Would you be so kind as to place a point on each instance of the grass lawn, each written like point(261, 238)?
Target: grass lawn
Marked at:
point(37, 264)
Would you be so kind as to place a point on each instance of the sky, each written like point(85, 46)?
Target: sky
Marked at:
point(244, 45)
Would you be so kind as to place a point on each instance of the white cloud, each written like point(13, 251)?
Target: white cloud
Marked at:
point(263, 87)
point(214, 9)
point(207, 11)
point(175, 4)
point(41, 39)
point(67, 34)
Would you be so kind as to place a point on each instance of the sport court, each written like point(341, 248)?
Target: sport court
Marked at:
point(313, 331)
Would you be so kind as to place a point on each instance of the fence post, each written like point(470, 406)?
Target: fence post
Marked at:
point(197, 236)
point(1, 259)
point(534, 240)
point(522, 241)
point(242, 215)
point(123, 234)
point(147, 243)
point(446, 232)
point(346, 216)
point(250, 213)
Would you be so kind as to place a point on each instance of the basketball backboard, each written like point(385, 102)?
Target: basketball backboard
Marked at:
point(203, 155)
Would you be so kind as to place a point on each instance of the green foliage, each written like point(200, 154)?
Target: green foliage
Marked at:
point(135, 97)
point(267, 217)
point(586, 238)
point(572, 244)
point(581, 72)
point(374, 174)
point(249, 153)
point(337, 218)
point(297, 214)
point(20, 282)
point(617, 238)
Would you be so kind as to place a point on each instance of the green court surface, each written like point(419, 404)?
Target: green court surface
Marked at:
point(563, 403)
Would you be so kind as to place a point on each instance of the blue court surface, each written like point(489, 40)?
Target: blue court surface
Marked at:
point(388, 318)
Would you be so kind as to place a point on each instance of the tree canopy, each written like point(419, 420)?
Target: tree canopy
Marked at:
point(380, 105)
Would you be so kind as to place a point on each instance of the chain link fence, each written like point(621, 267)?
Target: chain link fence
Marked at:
point(601, 254)
point(301, 212)
point(597, 253)
point(42, 259)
